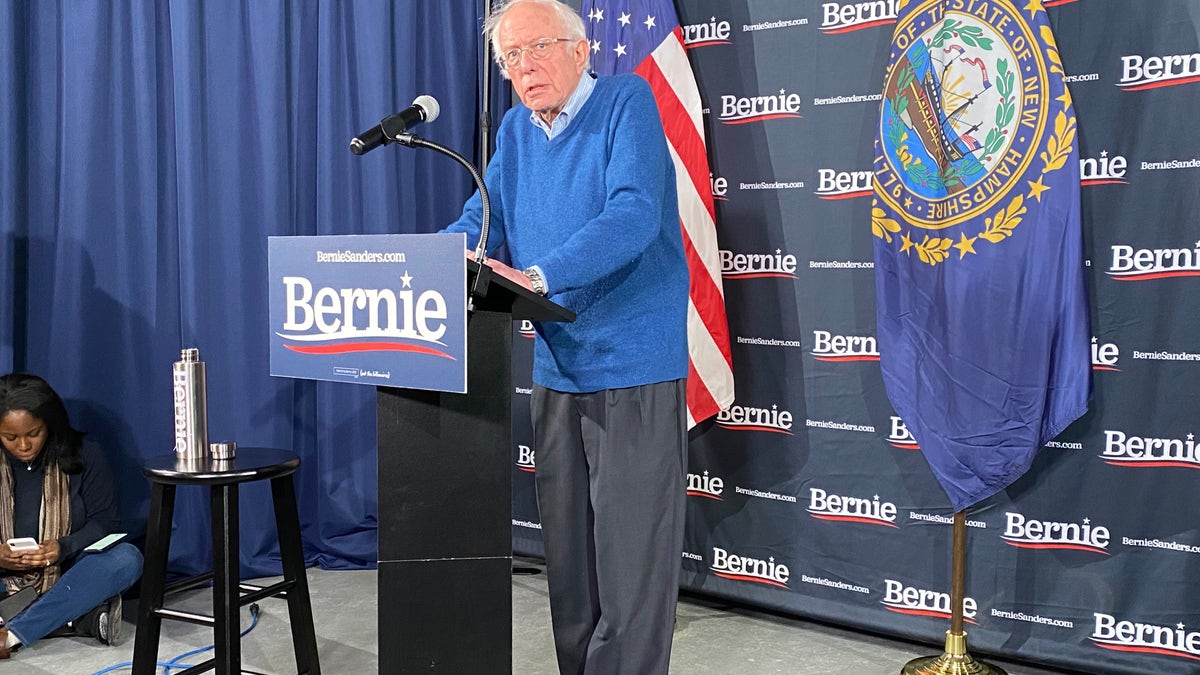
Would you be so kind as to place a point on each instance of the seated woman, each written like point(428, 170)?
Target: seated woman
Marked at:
point(57, 490)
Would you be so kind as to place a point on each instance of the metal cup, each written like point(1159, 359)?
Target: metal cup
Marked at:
point(222, 450)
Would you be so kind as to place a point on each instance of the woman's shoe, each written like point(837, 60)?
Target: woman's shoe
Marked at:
point(103, 622)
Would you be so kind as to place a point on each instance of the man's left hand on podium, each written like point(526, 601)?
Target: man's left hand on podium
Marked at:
point(514, 275)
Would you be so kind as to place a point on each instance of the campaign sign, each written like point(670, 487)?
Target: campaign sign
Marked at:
point(380, 309)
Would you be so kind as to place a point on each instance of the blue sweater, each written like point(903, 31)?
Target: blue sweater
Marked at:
point(595, 208)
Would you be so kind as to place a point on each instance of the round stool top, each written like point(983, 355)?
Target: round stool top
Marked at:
point(249, 464)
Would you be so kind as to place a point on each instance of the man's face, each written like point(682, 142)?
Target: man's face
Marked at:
point(543, 86)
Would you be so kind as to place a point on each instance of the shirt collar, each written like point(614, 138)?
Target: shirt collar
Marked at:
point(583, 90)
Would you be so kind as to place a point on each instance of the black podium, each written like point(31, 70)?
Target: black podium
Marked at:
point(445, 501)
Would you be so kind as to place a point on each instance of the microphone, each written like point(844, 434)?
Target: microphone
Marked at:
point(424, 109)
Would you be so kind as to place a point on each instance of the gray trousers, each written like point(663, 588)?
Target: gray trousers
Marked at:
point(610, 478)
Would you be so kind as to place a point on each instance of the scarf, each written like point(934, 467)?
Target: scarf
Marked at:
point(54, 522)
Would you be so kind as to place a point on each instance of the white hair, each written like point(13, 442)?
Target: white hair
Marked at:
point(571, 23)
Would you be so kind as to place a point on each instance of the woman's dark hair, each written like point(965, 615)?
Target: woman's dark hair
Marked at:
point(19, 391)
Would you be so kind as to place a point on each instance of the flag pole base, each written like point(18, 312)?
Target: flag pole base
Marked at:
point(954, 661)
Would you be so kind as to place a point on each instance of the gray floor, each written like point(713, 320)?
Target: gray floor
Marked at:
point(711, 637)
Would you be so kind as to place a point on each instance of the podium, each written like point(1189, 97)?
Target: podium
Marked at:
point(445, 501)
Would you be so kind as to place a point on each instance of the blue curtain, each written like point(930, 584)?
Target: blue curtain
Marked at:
point(150, 149)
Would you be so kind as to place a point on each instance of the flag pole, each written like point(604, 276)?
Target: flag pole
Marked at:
point(955, 660)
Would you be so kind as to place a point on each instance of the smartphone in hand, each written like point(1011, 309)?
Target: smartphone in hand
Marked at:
point(23, 544)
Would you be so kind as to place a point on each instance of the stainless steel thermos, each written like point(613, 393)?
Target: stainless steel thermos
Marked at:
point(191, 406)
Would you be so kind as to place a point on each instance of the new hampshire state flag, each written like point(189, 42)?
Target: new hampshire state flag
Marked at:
point(982, 309)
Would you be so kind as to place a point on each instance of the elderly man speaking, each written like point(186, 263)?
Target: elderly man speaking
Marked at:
point(583, 193)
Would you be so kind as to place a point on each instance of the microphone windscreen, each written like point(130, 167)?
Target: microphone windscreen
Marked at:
point(430, 105)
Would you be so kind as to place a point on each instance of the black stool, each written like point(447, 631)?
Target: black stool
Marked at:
point(223, 478)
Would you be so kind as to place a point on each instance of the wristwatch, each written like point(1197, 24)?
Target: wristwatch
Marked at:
point(536, 280)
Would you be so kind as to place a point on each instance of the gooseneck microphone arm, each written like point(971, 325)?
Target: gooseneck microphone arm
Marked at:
point(482, 278)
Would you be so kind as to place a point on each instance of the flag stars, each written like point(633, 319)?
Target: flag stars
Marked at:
point(965, 246)
point(595, 46)
point(596, 14)
point(1036, 188)
point(624, 18)
point(649, 22)
point(1033, 7)
point(620, 50)
point(905, 243)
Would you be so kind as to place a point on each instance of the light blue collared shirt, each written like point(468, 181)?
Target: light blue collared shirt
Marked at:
point(587, 82)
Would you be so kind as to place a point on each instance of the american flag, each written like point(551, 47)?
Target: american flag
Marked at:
point(644, 37)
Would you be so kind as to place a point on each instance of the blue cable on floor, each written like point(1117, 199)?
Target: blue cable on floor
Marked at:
point(175, 662)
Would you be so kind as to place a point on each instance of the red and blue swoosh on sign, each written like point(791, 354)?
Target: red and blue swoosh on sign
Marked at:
point(341, 344)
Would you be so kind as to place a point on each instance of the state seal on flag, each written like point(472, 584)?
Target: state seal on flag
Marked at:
point(984, 354)
point(963, 122)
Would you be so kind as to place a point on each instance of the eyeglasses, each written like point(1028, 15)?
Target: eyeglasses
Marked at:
point(540, 51)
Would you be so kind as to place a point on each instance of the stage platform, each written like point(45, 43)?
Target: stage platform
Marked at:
point(711, 637)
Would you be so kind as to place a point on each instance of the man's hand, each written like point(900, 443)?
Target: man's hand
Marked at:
point(514, 275)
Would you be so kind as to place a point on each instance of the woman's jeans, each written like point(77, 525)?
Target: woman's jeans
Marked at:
point(94, 578)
